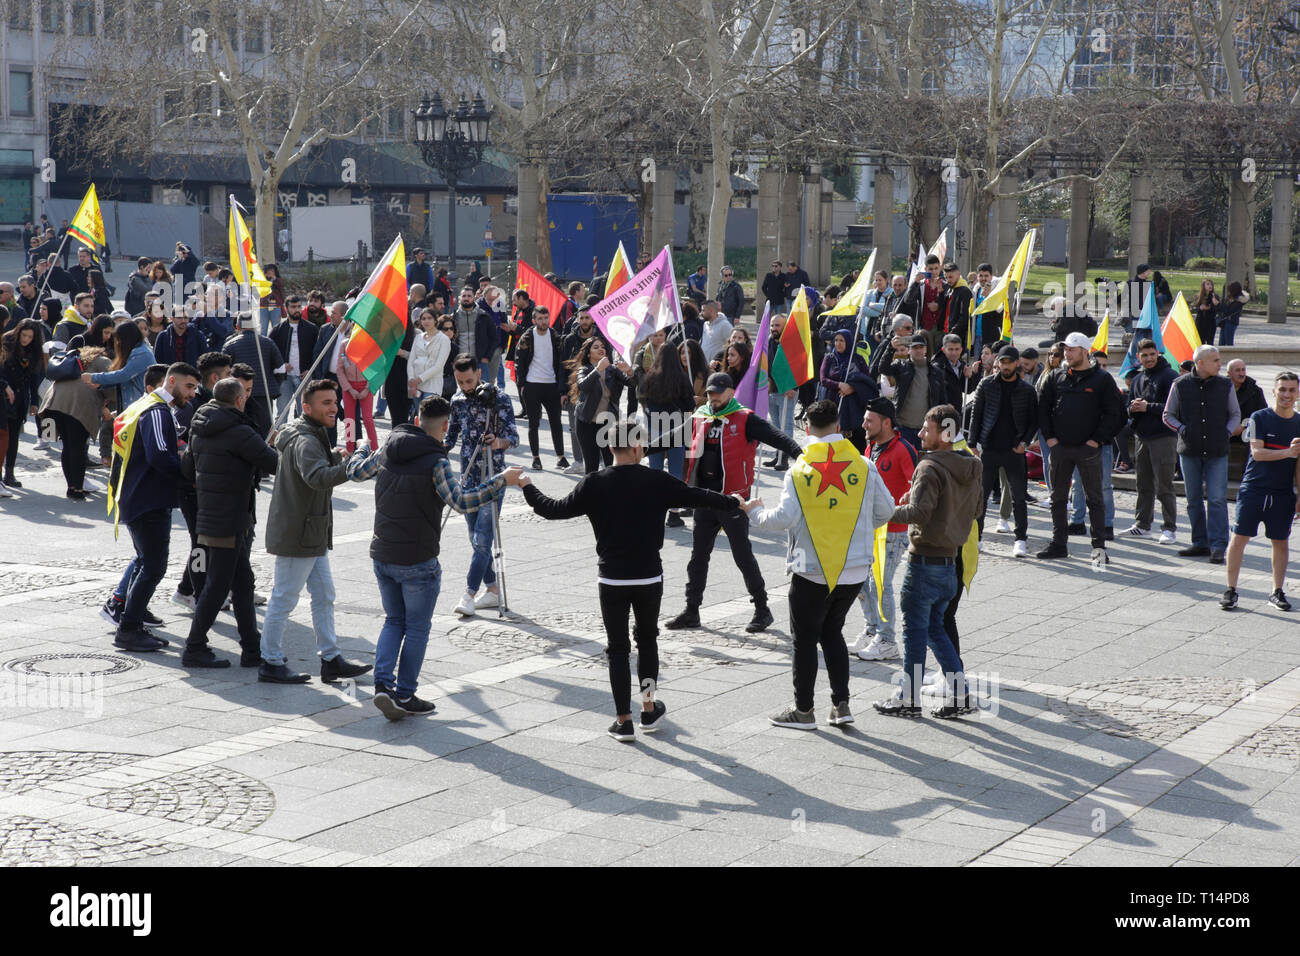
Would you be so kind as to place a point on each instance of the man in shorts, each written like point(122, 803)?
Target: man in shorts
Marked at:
point(1268, 488)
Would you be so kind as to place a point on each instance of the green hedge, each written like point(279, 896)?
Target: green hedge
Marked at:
point(1217, 264)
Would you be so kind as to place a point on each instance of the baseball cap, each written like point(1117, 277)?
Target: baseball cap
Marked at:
point(1009, 352)
point(884, 408)
point(919, 339)
point(1077, 340)
point(719, 382)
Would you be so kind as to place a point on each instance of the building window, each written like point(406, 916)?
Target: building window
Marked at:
point(396, 122)
point(83, 18)
point(52, 16)
point(20, 15)
point(20, 93)
point(253, 42)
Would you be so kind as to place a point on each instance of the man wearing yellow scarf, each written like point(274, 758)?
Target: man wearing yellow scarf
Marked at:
point(831, 504)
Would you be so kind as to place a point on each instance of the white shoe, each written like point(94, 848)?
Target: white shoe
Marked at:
point(980, 545)
point(466, 606)
point(488, 599)
point(185, 600)
point(1004, 526)
point(42, 445)
point(863, 640)
point(1167, 537)
point(879, 650)
point(90, 484)
point(1020, 549)
point(934, 677)
point(1137, 531)
point(576, 468)
point(1100, 558)
point(5, 492)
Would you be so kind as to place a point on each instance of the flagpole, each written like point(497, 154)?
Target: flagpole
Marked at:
point(306, 378)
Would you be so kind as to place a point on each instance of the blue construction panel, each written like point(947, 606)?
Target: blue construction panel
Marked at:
point(586, 227)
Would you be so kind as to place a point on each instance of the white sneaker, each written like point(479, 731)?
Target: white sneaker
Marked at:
point(1137, 531)
point(879, 650)
point(90, 484)
point(42, 445)
point(1020, 549)
point(576, 468)
point(488, 599)
point(1100, 559)
point(466, 606)
point(185, 600)
point(864, 639)
point(934, 677)
point(1004, 526)
point(5, 492)
point(1167, 537)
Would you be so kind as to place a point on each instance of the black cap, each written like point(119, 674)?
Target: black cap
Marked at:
point(719, 382)
point(1009, 352)
point(884, 408)
point(920, 339)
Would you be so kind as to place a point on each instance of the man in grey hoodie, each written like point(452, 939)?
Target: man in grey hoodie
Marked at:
point(300, 533)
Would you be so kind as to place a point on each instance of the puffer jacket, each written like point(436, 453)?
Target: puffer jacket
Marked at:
point(225, 459)
point(988, 405)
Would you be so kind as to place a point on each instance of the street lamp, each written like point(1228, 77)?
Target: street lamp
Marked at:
point(452, 144)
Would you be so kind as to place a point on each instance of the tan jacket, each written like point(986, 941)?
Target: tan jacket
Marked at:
point(943, 501)
point(77, 400)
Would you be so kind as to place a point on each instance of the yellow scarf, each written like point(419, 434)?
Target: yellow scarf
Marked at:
point(123, 439)
point(830, 480)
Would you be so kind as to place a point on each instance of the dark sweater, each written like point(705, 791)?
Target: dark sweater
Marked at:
point(154, 470)
point(626, 505)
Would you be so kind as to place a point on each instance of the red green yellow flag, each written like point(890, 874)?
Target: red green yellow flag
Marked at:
point(1181, 340)
point(379, 316)
point(1101, 341)
point(619, 271)
point(87, 226)
point(792, 365)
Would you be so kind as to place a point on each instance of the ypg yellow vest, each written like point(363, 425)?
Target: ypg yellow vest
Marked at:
point(830, 479)
point(123, 438)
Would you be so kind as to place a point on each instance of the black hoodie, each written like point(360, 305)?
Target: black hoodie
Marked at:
point(1154, 387)
point(225, 459)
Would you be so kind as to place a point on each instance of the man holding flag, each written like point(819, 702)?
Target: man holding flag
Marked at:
point(832, 501)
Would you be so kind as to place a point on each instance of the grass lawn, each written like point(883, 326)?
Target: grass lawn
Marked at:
point(1188, 283)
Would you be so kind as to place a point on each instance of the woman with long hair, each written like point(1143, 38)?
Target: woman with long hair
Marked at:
point(131, 359)
point(668, 400)
point(430, 350)
point(97, 286)
point(50, 313)
point(78, 412)
point(697, 369)
point(735, 360)
point(99, 335)
point(1206, 308)
point(594, 389)
point(22, 368)
point(1228, 316)
point(155, 320)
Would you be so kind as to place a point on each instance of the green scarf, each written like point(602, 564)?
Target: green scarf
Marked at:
point(707, 412)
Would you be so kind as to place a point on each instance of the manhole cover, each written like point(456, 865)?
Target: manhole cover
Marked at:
point(59, 665)
point(26, 841)
point(23, 770)
point(208, 796)
point(1158, 709)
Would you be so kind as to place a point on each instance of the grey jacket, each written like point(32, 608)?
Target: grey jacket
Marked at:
point(300, 520)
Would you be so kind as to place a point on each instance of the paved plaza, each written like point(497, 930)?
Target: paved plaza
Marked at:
point(1125, 719)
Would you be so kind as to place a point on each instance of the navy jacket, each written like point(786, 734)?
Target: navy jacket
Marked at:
point(164, 347)
point(154, 470)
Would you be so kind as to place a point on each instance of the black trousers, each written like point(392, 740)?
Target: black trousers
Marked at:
point(1064, 459)
point(15, 426)
point(73, 457)
point(708, 522)
point(536, 396)
point(594, 455)
point(817, 620)
point(643, 601)
point(1017, 477)
point(229, 572)
point(399, 403)
point(950, 615)
point(196, 564)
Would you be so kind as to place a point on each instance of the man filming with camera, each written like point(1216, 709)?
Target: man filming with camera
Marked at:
point(483, 418)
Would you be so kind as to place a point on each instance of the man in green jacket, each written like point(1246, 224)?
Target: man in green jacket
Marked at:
point(300, 533)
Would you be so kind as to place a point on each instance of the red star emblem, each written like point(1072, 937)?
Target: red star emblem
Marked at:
point(832, 473)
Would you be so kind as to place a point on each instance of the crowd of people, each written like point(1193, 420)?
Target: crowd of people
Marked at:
point(918, 417)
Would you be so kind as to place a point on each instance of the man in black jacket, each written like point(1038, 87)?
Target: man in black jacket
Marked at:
point(628, 542)
point(774, 288)
point(261, 354)
point(226, 458)
point(794, 279)
point(137, 284)
point(1155, 455)
point(1079, 410)
point(542, 380)
point(1004, 422)
point(295, 337)
point(920, 386)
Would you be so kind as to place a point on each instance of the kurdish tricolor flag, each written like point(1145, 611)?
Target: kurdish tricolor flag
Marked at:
point(619, 270)
point(87, 226)
point(1181, 339)
point(379, 317)
point(792, 365)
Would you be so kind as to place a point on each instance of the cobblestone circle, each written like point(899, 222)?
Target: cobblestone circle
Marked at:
point(28, 582)
point(64, 665)
point(1279, 742)
point(209, 796)
point(25, 841)
point(1158, 709)
point(23, 770)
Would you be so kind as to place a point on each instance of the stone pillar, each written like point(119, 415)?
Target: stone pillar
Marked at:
point(1008, 209)
point(769, 218)
point(882, 219)
point(933, 199)
point(788, 237)
point(811, 246)
point(1077, 261)
point(663, 197)
point(827, 206)
point(526, 237)
point(1139, 221)
point(1240, 265)
point(1279, 255)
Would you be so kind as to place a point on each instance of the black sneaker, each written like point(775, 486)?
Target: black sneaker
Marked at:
point(280, 674)
point(1110, 534)
point(336, 669)
point(162, 641)
point(770, 463)
point(203, 658)
point(1195, 551)
point(562, 463)
point(1216, 556)
point(674, 520)
point(622, 730)
point(137, 641)
point(760, 621)
point(152, 619)
point(650, 719)
point(537, 464)
point(951, 709)
point(1229, 599)
point(416, 707)
point(894, 707)
point(76, 494)
point(687, 619)
point(111, 612)
point(1279, 601)
point(12, 482)
point(386, 700)
point(1054, 551)
point(1077, 529)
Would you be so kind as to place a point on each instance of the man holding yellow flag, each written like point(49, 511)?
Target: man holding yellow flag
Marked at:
point(831, 503)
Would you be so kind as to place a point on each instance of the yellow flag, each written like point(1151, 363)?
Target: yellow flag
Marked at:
point(87, 226)
point(878, 567)
point(830, 481)
point(243, 261)
point(851, 302)
point(1015, 273)
point(1101, 342)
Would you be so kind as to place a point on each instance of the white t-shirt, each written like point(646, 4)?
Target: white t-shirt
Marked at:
point(542, 369)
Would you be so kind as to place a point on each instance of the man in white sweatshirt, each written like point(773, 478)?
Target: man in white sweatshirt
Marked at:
point(829, 555)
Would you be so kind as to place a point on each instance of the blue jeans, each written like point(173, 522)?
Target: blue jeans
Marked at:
point(1228, 332)
point(290, 576)
point(1205, 481)
point(1046, 452)
point(125, 584)
point(287, 388)
point(408, 593)
point(780, 412)
point(1078, 512)
point(480, 537)
point(676, 460)
point(895, 547)
point(927, 591)
point(151, 535)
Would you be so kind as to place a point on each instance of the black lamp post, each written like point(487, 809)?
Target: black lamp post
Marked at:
point(452, 144)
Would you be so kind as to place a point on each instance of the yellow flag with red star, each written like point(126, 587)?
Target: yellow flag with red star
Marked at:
point(830, 480)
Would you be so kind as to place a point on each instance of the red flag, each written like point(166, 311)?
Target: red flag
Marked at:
point(540, 291)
